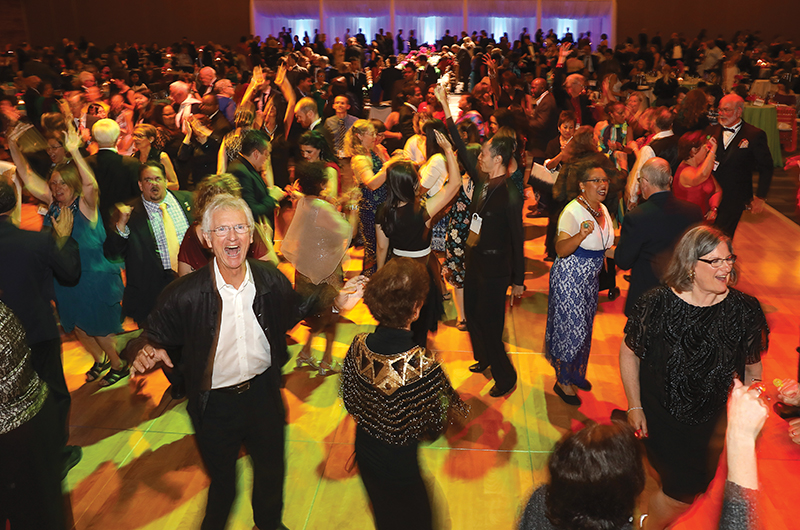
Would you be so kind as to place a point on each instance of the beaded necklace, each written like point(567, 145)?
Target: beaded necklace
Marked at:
point(585, 203)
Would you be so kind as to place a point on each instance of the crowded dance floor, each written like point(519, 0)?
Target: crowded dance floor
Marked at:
point(536, 281)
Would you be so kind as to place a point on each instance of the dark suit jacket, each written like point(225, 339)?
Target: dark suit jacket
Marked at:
point(117, 178)
point(187, 318)
point(145, 275)
point(543, 125)
point(405, 119)
point(747, 152)
point(648, 236)
point(202, 158)
point(564, 100)
point(254, 189)
point(29, 261)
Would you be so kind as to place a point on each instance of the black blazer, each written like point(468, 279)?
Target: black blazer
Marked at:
point(648, 236)
point(186, 319)
point(117, 179)
point(747, 152)
point(543, 125)
point(254, 189)
point(564, 100)
point(28, 261)
point(145, 275)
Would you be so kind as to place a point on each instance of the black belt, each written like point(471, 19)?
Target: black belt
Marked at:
point(241, 388)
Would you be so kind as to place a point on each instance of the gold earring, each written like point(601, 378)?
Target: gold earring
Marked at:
point(691, 276)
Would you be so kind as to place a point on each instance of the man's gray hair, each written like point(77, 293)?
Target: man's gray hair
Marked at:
point(106, 132)
point(227, 203)
point(657, 172)
point(180, 86)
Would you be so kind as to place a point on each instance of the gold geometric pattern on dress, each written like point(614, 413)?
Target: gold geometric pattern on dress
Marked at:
point(390, 372)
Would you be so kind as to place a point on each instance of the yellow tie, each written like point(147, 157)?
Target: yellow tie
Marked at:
point(172, 237)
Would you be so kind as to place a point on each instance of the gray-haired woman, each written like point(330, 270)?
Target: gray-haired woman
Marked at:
point(684, 343)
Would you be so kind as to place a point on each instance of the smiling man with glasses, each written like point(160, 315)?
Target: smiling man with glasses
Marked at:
point(226, 324)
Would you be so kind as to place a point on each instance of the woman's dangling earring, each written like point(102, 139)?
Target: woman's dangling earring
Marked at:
point(691, 276)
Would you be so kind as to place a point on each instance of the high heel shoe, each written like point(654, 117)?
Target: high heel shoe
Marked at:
point(326, 368)
point(310, 361)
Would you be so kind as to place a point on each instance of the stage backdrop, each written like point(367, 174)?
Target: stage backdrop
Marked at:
point(429, 20)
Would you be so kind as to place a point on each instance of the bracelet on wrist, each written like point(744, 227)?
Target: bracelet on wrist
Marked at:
point(634, 408)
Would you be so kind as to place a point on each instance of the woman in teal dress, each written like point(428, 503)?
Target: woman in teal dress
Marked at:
point(92, 306)
point(367, 161)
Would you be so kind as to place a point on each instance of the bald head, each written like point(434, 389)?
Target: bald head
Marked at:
point(206, 75)
point(538, 86)
point(574, 84)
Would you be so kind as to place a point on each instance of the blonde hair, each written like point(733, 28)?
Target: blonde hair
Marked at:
point(352, 143)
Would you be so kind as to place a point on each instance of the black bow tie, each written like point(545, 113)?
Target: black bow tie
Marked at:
point(729, 129)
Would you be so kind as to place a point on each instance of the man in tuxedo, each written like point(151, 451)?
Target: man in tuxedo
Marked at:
point(29, 262)
point(117, 176)
point(400, 41)
point(569, 92)
point(742, 149)
point(227, 326)
point(412, 97)
point(147, 234)
point(650, 232)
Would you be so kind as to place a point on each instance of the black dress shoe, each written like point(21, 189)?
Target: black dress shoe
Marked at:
point(477, 368)
point(496, 392)
point(585, 386)
point(575, 401)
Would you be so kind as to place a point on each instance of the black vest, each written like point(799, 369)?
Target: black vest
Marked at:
point(667, 148)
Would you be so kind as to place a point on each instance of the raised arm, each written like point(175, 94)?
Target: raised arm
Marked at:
point(460, 146)
point(35, 184)
point(695, 176)
point(286, 89)
point(89, 188)
point(436, 203)
point(362, 170)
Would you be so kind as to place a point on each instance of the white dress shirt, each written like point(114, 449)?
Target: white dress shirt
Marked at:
point(242, 348)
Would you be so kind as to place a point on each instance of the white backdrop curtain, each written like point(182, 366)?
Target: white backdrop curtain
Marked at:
point(429, 19)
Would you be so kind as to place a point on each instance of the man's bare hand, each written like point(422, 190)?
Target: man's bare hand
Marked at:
point(147, 358)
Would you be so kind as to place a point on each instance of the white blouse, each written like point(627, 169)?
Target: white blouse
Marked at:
point(570, 222)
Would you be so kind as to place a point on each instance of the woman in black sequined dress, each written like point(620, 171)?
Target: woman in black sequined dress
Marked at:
point(684, 344)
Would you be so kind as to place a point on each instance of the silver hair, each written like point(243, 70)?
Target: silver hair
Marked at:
point(229, 203)
point(106, 132)
point(658, 173)
point(180, 86)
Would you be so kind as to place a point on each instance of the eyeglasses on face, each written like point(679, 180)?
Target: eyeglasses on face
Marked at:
point(717, 262)
point(223, 231)
point(601, 181)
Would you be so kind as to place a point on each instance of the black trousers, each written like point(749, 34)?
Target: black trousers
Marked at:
point(485, 309)
point(256, 419)
point(394, 484)
point(728, 216)
point(30, 473)
point(46, 361)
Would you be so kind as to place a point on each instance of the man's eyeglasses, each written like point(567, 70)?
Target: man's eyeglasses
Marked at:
point(222, 231)
point(717, 262)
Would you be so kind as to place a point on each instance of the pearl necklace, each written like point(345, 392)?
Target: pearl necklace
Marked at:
point(585, 203)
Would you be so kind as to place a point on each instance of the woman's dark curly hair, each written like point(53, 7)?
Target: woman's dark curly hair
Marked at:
point(316, 140)
point(395, 292)
point(692, 108)
point(595, 476)
point(311, 177)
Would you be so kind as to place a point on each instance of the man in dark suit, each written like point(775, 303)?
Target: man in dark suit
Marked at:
point(543, 121)
point(741, 149)
point(232, 365)
point(400, 41)
point(117, 176)
point(649, 232)
point(412, 41)
point(29, 262)
point(147, 235)
point(247, 168)
point(412, 97)
point(569, 92)
point(664, 144)
point(199, 150)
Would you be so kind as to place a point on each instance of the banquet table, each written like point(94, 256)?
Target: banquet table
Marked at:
point(766, 119)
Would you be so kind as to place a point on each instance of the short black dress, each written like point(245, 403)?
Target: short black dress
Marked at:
point(689, 357)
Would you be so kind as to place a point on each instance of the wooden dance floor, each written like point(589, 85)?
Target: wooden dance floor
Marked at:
point(141, 469)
